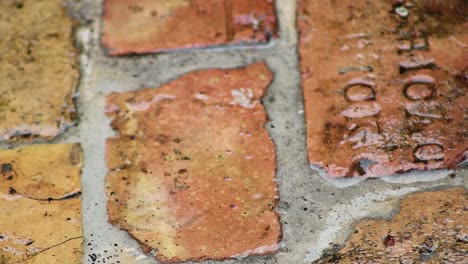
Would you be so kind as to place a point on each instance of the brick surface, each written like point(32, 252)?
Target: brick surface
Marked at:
point(38, 69)
point(434, 233)
point(142, 26)
point(37, 224)
point(193, 170)
point(384, 86)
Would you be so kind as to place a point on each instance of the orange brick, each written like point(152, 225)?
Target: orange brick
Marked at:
point(38, 68)
point(192, 172)
point(142, 26)
point(384, 87)
point(37, 223)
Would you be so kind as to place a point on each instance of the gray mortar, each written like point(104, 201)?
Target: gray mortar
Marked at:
point(314, 211)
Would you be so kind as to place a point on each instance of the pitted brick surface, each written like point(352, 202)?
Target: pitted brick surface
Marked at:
point(38, 69)
point(40, 204)
point(193, 170)
point(431, 227)
point(132, 26)
point(384, 86)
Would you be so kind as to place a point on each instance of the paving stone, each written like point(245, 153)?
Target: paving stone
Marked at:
point(192, 172)
point(436, 232)
point(40, 204)
point(38, 69)
point(384, 86)
point(142, 26)
point(55, 176)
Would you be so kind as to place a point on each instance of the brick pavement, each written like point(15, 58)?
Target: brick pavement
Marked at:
point(410, 41)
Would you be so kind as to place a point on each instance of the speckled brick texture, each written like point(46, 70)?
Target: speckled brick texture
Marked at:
point(382, 86)
point(316, 212)
point(193, 170)
point(434, 233)
point(40, 204)
point(38, 69)
point(136, 26)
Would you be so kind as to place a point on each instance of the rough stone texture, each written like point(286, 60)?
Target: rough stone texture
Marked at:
point(142, 26)
point(193, 170)
point(38, 69)
point(42, 171)
point(385, 91)
point(40, 205)
point(431, 227)
point(315, 211)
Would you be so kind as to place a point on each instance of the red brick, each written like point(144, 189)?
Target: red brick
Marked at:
point(192, 172)
point(142, 26)
point(383, 89)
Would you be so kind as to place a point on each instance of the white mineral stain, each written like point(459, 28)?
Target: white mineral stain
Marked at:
point(243, 97)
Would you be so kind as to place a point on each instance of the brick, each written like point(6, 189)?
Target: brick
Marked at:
point(40, 204)
point(38, 69)
point(143, 26)
point(192, 171)
point(434, 233)
point(385, 91)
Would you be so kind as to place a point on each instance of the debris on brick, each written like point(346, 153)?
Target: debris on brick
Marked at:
point(40, 204)
point(145, 26)
point(384, 85)
point(192, 171)
point(434, 233)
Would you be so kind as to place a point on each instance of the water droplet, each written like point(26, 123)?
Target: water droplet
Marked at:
point(418, 91)
point(402, 11)
point(427, 152)
point(359, 92)
point(420, 87)
point(416, 64)
point(361, 110)
point(424, 109)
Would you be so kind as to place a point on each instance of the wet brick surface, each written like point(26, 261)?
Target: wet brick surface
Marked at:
point(382, 88)
point(395, 71)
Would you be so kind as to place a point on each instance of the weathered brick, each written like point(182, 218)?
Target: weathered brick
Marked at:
point(40, 206)
point(143, 26)
point(38, 69)
point(431, 227)
point(193, 170)
point(383, 85)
